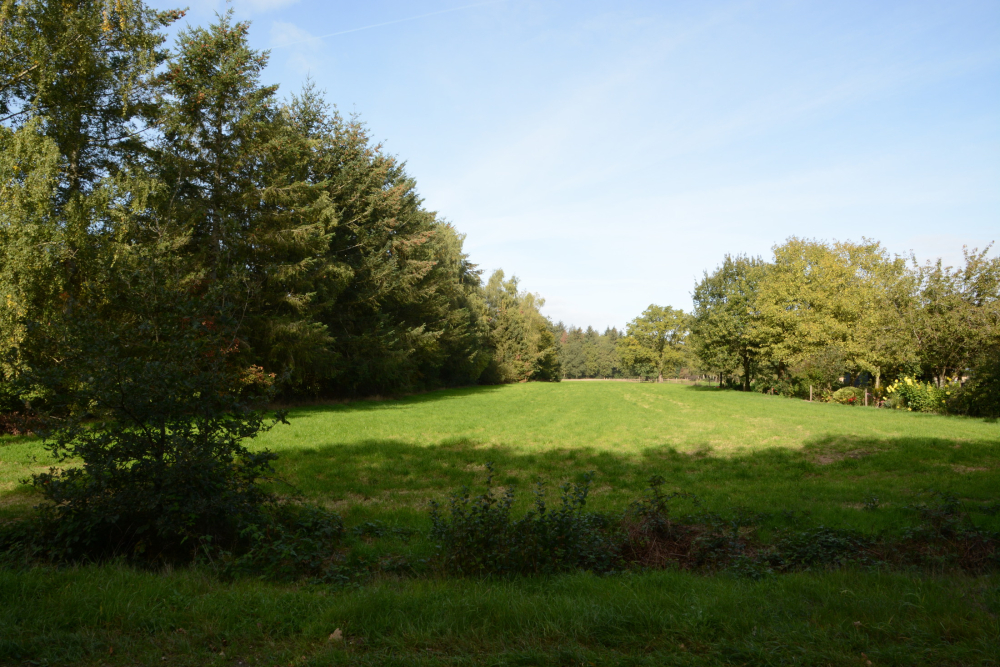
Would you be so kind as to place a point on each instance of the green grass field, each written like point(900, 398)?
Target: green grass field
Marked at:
point(801, 463)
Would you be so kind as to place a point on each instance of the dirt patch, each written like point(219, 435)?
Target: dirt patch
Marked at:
point(864, 506)
point(968, 469)
point(700, 453)
point(834, 457)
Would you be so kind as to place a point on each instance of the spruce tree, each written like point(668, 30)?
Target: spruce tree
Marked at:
point(234, 199)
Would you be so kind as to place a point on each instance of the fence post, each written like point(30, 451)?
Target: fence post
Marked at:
point(810, 393)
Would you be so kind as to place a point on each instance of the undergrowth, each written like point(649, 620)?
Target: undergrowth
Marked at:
point(481, 535)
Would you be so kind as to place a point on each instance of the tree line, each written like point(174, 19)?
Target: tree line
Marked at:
point(653, 346)
point(128, 167)
point(820, 317)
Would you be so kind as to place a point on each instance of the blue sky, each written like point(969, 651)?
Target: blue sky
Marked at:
point(607, 153)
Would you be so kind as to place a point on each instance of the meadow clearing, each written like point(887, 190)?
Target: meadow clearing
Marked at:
point(790, 462)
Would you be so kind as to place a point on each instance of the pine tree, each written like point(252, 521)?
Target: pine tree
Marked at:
point(235, 198)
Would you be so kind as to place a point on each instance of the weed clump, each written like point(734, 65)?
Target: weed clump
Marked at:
point(478, 535)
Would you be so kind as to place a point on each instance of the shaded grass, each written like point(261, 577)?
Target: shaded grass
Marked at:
point(118, 616)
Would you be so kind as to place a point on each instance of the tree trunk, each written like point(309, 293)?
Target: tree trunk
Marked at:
point(746, 373)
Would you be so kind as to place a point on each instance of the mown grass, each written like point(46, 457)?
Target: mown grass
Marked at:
point(388, 459)
point(802, 464)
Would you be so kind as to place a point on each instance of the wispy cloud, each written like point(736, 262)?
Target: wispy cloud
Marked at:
point(260, 6)
point(301, 51)
point(393, 22)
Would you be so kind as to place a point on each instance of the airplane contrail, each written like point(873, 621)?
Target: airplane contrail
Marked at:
point(379, 25)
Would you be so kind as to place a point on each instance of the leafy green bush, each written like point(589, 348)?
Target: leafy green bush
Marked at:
point(849, 396)
point(822, 546)
point(910, 394)
point(479, 536)
point(980, 396)
point(291, 542)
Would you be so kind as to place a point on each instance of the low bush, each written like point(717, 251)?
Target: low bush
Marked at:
point(292, 542)
point(910, 394)
point(148, 425)
point(849, 396)
point(479, 536)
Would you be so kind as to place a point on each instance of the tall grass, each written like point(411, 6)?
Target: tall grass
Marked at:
point(117, 616)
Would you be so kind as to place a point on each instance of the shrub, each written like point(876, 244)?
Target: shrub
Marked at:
point(652, 538)
point(479, 535)
point(980, 396)
point(849, 396)
point(291, 542)
point(150, 419)
point(911, 394)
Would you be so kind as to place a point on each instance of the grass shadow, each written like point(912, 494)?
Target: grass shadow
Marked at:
point(829, 477)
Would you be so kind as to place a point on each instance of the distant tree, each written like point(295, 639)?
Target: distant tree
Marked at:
point(653, 341)
point(957, 313)
point(852, 296)
point(572, 356)
point(727, 325)
point(524, 347)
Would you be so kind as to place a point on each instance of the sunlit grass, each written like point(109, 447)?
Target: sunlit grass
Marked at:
point(731, 449)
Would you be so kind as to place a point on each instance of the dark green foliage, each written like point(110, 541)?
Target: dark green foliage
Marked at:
point(589, 354)
point(290, 542)
point(479, 536)
point(980, 396)
point(819, 547)
point(149, 423)
point(234, 202)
